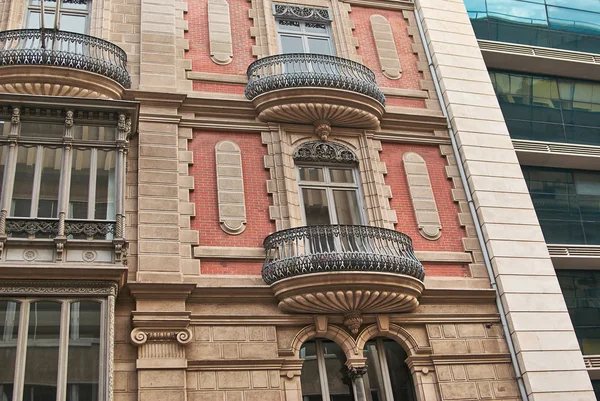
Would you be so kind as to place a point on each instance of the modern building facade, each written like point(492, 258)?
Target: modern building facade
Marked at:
point(248, 200)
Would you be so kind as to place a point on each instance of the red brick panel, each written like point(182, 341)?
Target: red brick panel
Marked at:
point(408, 60)
point(229, 267)
point(199, 52)
point(446, 270)
point(205, 192)
point(452, 232)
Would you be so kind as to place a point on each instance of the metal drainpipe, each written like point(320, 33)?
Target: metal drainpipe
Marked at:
point(463, 178)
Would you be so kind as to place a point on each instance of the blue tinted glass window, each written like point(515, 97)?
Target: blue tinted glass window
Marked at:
point(567, 204)
point(549, 109)
point(562, 24)
point(517, 11)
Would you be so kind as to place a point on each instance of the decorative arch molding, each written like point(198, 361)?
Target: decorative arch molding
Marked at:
point(395, 332)
point(333, 333)
point(324, 152)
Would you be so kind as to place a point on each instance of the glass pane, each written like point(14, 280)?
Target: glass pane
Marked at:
point(341, 175)
point(309, 377)
point(9, 331)
point(374, 382)
point(83, 368)
point(48, 205)
point(517, 11)
point(33, 21)
point(75, 5)
point(291, 44)
point(4, 128)
point(105, 186)
point(346, 207)
point(42, 130)
point(319, 46)
point(339, 386)
point(311, 174)
point(80, 177)
point(564, 19)
point(400, 377)
point(289, 25)
point(94, 133)
point(3, 155)
point(316, 208)
point(73, 23)
point(41, 366)
point(21, 201)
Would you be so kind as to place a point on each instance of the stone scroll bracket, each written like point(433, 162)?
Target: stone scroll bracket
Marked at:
point(386, 47)
point(219, 32)
point(421, 193)
point(230, 188)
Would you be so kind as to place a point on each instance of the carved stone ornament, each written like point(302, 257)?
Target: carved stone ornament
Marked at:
point(230, 187)
point(324, 152)
point(69, 118)
point(353, 321)
point(355, 371)
point(76, 288)
point(301, 12)
point(142, 336)
point(16, 116)
point(323, 129)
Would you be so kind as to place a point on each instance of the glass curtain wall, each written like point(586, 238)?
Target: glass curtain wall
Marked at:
point(550, 109)
point(561, 24)
point(567, 203)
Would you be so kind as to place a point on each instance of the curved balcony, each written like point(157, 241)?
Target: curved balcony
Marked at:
point(315, 89)
point(58, 63)
point(343, 269)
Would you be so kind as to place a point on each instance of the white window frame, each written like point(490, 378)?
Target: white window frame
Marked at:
point(322, 367)
point(65, 323)
point(329, 187)
point(303, 34)
point(59, 10)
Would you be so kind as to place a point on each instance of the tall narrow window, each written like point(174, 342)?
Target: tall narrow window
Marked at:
point(330, 195)
point(322, 376)
point(305, 37)
point(73, 15)
point(56, 333)
point(388, 377)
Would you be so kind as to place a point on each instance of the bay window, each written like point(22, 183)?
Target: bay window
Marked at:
point(51, 349)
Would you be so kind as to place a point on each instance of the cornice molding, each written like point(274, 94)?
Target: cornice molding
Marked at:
point(59, 288)
point(470, 359)
point(383, 4)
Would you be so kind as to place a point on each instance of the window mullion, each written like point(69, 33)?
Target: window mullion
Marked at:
point(8, 184)
point(385, 372)
point(322, 370)
point(64, 187)
point(92, 183)
point(63, 349)
point(37, 181)
point(19, 380)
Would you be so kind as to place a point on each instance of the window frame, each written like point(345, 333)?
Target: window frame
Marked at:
point(63, 348)
point(329, 187)
point(60, 10)
point(304, 35)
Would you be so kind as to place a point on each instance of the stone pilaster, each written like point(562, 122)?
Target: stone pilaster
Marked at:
point(549, 357)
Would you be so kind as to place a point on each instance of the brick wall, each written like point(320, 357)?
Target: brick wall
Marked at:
point(410, 74)
point(199, 52)
point(452, 232)
point(205, 192)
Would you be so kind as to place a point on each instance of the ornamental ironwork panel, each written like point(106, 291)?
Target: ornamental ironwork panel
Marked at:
point(324, 152)
point(89, 228)
point(23, 227)
point(296, 70)
point(330, 248)
point(301, 12)
point(64, 49)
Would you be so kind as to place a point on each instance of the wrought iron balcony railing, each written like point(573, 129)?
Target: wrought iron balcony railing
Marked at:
point(49, 228)
point(296, 70)
point(329, 248)
point(64, 49)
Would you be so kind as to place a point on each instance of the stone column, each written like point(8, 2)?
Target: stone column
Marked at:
point(549, 357)
point(9, 174)
point(355, 370)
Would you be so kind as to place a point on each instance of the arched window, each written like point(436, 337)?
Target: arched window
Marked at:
point(323, 375)
point(388, 377)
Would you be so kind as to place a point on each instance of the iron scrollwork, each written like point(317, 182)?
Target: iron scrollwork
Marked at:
point(89, 228)
point(301, 12)
point(31, 227)
point(329, 248)
point(324, 152)
point(64, 49)
point(296, 70)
